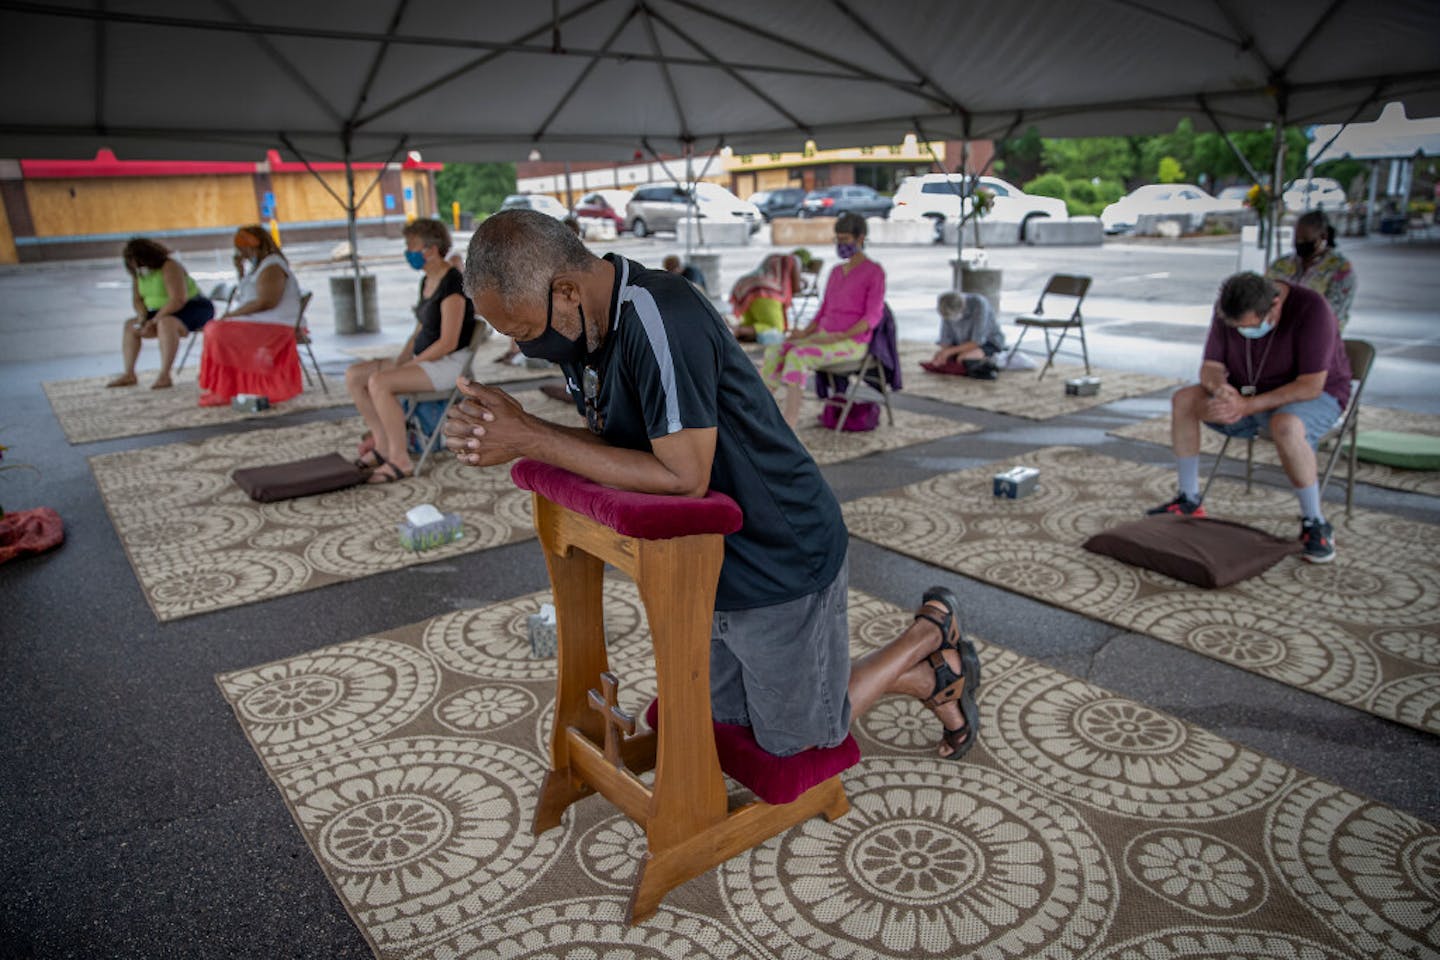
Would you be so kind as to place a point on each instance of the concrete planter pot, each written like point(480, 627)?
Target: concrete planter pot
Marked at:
point(985, 281)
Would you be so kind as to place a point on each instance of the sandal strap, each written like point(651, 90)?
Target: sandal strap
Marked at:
point(949, 685)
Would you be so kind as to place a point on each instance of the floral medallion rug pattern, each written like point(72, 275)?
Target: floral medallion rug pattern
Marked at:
point(88, 411)
point(1020, 393)
point(1427, 482)
point(1363, 630)
point(1083, 825)
point(197, 543)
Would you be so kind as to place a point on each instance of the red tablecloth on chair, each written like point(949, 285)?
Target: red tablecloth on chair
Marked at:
point(243, 357)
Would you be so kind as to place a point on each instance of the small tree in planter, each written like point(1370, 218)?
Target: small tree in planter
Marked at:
point(975, 276)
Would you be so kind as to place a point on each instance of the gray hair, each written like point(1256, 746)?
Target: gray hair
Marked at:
point(517, 253)
point(951, 304)
point(1244, 293)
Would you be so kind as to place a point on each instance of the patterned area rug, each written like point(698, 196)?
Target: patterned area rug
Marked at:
point(1082, 825)
point(1371, 418)
point(910, 428)
point(1020, 393)
point(198, 543)
point(87, 411)
point(486, 371)
point(1363, 630)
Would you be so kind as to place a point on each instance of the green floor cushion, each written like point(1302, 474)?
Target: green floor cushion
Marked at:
point(1410, 451)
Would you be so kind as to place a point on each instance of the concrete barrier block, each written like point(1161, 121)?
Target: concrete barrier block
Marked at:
point(1227, 222)
point(712, 233)
point(912, 232)
point(593, 228)
point(1164, 224)
point(1074, 232)
point(798, 232)
point(993, 233)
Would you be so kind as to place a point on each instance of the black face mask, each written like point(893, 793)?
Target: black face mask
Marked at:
point(1306, 248)
point(553, 345)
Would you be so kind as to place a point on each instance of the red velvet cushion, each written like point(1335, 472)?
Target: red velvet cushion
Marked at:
point(26, 532)
point(773, 779)
point(646, 516)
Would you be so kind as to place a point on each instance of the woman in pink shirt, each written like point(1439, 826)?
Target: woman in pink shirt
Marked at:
point(853, 304)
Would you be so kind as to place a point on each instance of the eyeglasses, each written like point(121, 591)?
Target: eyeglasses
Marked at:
point(590, 390)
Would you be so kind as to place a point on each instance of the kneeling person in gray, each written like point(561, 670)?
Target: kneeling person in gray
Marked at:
point(674, 406)
point(968, 330)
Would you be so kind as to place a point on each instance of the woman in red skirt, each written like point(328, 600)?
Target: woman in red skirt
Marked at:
point(252, 348)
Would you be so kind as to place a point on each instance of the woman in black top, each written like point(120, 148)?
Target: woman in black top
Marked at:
point(431, 359)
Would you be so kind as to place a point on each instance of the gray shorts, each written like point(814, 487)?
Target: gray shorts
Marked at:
point(1318, 416)
point(784, 670)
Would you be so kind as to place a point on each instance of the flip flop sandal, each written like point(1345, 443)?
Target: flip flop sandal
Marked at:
point(388, 473)
point(379, 460)
point(949, 688)
point(969, 657)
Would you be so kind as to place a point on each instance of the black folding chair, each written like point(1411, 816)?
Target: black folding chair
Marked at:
point(1062, 285)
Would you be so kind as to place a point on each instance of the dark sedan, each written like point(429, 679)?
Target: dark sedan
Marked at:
point(784, 202)
point(833, 201)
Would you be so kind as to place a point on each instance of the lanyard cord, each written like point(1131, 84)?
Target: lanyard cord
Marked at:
point(1251, 373)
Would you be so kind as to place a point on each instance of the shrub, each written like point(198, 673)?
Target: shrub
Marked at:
point(1082, 192)
point(1048, 185)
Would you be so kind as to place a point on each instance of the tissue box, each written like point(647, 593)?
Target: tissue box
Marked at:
point(1016, 482)
point(542, 632)
point(249, 402)
point(424, 536)
point(1082, 387)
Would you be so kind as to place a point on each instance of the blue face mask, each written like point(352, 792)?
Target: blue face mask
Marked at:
point(1255, 333)
point(416, 258)
point(845, 250)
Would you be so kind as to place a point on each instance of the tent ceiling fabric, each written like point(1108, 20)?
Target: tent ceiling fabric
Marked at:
point(204, 79)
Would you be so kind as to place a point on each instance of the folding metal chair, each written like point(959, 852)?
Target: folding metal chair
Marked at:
point(302, 339)
point(867, 371)
point(1362, 357)
point(226, 290)
point(1063, 285)
point(451, 397)
point(808, 296)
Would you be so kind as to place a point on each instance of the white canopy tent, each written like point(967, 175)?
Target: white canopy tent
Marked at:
point(601, 79)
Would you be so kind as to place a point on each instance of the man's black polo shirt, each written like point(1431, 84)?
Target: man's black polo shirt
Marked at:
point(669, 363)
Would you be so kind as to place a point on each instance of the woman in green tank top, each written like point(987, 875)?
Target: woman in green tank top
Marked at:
point(168, 306)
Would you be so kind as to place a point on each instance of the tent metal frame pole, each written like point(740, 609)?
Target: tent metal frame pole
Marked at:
point(1277, 205)
point(1225, 135)
point(354, 238)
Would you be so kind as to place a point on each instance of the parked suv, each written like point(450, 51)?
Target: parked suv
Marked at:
point(661, 206)
point(935, 196)
point(833, 201)
point(784, 202)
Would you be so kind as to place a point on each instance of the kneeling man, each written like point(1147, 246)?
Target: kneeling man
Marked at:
point(674, 406)
point(1273, 359)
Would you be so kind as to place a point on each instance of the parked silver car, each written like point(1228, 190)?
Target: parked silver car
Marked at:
point(661, 206)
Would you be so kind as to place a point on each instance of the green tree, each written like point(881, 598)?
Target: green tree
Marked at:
point(1110, 158)
point(1168, 170)
point(1020, 159)
point(479, 187)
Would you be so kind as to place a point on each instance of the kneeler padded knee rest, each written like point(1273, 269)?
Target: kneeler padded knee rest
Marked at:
point(672, 547)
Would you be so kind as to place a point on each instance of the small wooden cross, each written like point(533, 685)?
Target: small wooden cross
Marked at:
point(616, 720)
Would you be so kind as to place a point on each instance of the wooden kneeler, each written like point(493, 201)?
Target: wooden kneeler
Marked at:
point(672, 547)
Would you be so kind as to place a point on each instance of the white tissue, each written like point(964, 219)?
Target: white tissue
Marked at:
point(423, 514)
point(547, 613)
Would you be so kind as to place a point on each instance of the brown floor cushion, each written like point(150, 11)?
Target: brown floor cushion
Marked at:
point(300, 478)
point(1199, 550)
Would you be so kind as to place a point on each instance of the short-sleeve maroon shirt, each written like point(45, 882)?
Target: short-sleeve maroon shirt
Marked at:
point(1306, 340)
